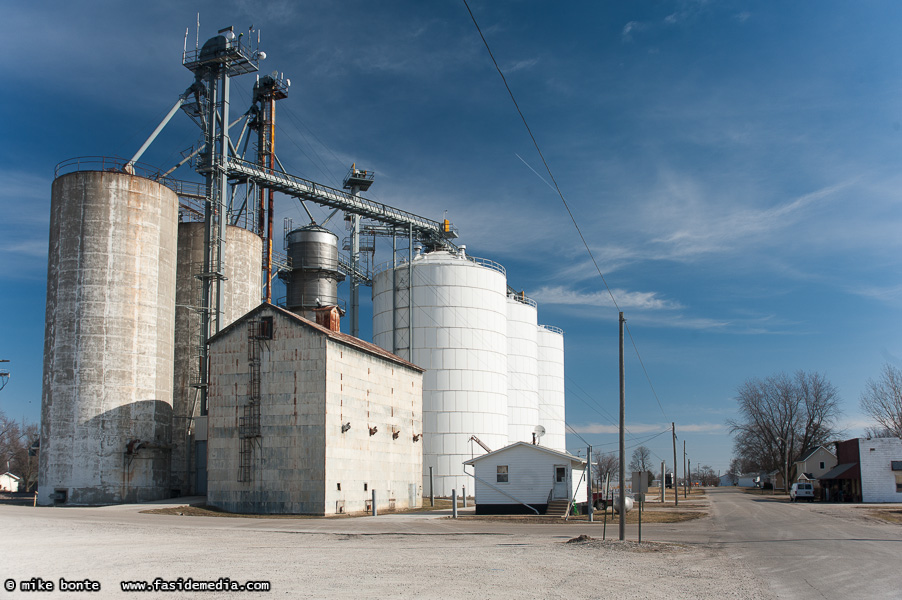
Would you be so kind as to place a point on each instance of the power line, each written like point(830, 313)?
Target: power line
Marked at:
point(559, 192)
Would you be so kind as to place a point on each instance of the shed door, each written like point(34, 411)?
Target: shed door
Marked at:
point(561, 480)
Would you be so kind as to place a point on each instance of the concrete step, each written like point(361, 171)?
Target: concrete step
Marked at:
point(557, 508)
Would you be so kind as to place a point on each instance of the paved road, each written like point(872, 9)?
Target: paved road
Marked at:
point(749, 547)
point(802, 550)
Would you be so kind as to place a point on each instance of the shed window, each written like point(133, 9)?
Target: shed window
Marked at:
point(501, 474)
point(899, 483)
point(266, 328)
point(823, 464)
point(896, 465)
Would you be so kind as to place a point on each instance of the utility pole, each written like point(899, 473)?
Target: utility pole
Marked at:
point(689, 473)
point(622, 509)
point(685, 473)
point(663, 481)
point(676, 490)
point(591, 504)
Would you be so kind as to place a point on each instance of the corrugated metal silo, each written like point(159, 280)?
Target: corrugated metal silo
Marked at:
point(242, 285)
point(314, 277)
point(460, 336)
point(106, 409)
point(522, 369)
point(551, 386)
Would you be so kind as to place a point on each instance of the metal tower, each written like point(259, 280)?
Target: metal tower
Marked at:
point(213, 65)
point(356, 181)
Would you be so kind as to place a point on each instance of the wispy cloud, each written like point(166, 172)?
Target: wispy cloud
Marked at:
point(520, 65)
point(643, 428)
point(637, 300)
point(630, 28)
point(888, 294)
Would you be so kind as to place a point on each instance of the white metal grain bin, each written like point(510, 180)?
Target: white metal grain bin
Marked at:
point(522, 369)
point(460, 336)
point(551, 386)
point(106, 409)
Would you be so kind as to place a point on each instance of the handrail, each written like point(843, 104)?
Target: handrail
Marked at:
point(552, 329)
point(497, 489)
point(482, 262)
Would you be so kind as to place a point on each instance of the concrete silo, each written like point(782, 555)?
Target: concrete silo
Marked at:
point(522, 369)
point(106, 408)
point(551, 386)
point(242, 284)
point(459, 326)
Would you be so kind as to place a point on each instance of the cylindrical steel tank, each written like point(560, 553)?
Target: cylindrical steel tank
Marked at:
point(522, 369)
point(314, 278)
point(460, 337)
point(106, 408)
point(243, 284)
point(551, 386)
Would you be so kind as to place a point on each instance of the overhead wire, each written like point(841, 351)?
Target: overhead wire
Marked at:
point(559, 193)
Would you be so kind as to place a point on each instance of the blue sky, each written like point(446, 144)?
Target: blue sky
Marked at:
point(734, 166)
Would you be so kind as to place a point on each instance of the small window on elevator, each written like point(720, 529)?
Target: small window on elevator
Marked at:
point(266, 328)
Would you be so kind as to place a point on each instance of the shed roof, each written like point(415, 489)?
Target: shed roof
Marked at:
point(534, 447)
point(841, 472)
point(337, 336)
point(8, 474)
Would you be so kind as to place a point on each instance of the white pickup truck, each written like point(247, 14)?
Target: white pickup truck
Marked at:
point(801, 491)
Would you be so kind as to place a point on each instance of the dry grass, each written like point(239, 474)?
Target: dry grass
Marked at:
point(632, 517)
point(890, 515)
point(651, 513)
point(211, 511)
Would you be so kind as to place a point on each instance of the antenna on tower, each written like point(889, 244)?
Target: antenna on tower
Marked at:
point(197, 37)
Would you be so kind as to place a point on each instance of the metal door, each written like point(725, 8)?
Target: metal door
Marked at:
point(200, 459)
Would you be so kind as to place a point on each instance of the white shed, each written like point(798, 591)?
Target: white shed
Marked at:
point(9, 482)
point(521, 477)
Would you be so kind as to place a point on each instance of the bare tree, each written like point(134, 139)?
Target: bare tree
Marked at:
point(882, 400)
point(15, 440)
point(705, 475)
point(606, 465)
point(641, 460)
point(781, 416)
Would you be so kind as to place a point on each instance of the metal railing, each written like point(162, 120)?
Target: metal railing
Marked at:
point(482, 262)
point(522, 299)
point(552, 329)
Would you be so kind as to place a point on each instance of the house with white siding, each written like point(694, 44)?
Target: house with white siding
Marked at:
point(524, 478)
